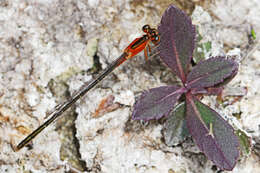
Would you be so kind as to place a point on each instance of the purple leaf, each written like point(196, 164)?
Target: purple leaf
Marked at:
point(213, 135)
point(208, 91)
point(211, 72)
point(175, 130)
point(157, 102)
point(177, 39)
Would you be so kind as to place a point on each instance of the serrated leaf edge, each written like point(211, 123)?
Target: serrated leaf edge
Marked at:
point(179, 91)
point(231, 74)
point(193, 32)
point(189, 96)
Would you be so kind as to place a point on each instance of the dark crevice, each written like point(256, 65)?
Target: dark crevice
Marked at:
point(76, 142)
point(65, 126)
point(96, 65)
point(70, 144)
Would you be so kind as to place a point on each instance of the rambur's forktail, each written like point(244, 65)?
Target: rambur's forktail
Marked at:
point(139, 44)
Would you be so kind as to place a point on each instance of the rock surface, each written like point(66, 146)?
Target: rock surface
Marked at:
point(46, 48)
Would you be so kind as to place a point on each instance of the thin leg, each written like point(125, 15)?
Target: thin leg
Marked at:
point(145, 53)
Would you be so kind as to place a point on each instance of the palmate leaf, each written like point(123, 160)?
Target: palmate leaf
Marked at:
point(177, 39)
point(211, 72)
point(175, 130)
point(213, 135)
point(208, 91)
point(156, 102)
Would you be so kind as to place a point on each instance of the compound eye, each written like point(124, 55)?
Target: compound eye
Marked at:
point(147, 37)
point(153, 32)
point(146, 28)
point(155, 39)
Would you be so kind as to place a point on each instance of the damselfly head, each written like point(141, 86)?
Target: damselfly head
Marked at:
point(146, 28)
